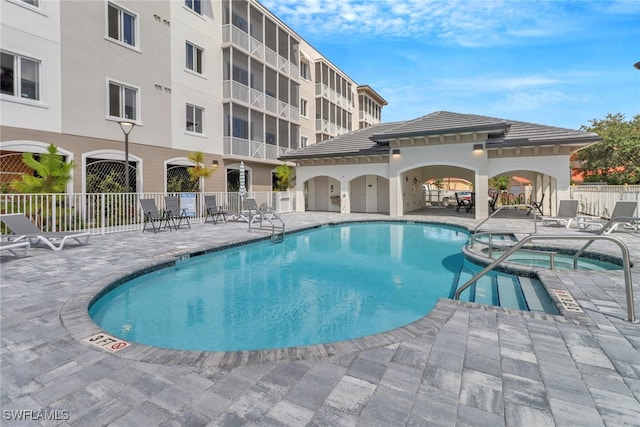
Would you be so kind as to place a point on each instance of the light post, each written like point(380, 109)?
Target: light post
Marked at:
point(126, 127)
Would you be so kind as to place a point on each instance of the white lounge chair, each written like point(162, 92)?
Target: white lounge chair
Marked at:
point(17, 249)
point(622, 209)
point(567, 212)
point(25, 230)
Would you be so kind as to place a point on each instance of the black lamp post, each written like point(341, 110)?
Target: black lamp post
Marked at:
point(126, 127)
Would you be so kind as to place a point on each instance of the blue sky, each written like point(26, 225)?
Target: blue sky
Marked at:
point(559, 63)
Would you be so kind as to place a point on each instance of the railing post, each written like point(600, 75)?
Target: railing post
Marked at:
point(103, 213)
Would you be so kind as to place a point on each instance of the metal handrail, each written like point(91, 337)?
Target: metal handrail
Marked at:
point(626, 265)
point(604, 229)
point(506, 207)
point(489, 244)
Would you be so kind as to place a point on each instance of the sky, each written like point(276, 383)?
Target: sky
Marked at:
point(557, 63)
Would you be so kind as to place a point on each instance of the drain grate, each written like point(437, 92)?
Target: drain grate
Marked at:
point(567, 301)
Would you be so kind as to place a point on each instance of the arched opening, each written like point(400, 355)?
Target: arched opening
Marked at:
point(322, 193)
point(369, 194)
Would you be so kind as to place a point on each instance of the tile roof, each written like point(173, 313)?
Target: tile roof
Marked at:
point(356, 143)
point(503, 133)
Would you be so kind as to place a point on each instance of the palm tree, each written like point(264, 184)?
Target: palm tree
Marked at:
point(198, 170)
point(51, 173)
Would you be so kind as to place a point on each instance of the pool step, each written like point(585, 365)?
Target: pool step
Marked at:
point(520, 293)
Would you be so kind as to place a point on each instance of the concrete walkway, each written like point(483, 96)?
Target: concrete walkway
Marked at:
point(463, 364)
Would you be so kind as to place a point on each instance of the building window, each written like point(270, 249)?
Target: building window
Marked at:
point(194, 118)
point(123, 101)
point(194, 5)
point(303, 141)
point(34, 3)
point(121, 25)
point(304, 70)
point(194, 58)
point(303, 107)
point(19, 76)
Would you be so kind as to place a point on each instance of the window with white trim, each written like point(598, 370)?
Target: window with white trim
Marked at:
point(121, 25)
point(19, 76)
point(195, 5)
point(194, 118)
point(303, 107)
point(123, 101)
point(194, 58)
point(303, 141)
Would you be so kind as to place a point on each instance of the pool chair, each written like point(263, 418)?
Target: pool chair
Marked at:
point(215, 212)
point(536, 205)
point(567, 212)
point(153, 216)
point(16, 249)
point(460, 202)
point(174, 213)
point(622, 209)
point(25, 230)
point(269, 212)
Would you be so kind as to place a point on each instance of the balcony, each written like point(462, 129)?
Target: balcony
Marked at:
point(256, 49)
point(368, 118)
point(234, 146)
point(333, 96)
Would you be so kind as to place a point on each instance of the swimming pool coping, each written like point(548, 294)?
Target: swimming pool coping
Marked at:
point(74, 316)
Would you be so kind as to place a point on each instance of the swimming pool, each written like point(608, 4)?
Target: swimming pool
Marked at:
point(323, 285)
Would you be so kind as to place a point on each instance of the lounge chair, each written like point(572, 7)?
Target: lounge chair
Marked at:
point(152, 216)
point(242, 213)
point(471, 203)
point(25, 230)
point(460, 202)
point(214, 211)
point(493, 201)
point(15, 248)
point(622, 209)
point(567, 212)
point(269, 212)
point(536, 205)
point(173, 211)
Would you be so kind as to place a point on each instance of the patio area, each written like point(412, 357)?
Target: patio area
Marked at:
point(466, 364)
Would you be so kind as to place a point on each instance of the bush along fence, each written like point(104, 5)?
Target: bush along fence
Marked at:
point(599, 200)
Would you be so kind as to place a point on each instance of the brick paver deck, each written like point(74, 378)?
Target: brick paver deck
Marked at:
point(463, 364)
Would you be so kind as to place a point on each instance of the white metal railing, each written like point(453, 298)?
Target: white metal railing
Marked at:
point(251, 148)
point(257, 48)
point(257, 98)
point(271, 57)
point(271, 104)
point(103, 213)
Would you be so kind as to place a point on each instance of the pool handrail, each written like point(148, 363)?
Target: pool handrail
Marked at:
point(507, 207)
point(601, 231)
point(626, 264)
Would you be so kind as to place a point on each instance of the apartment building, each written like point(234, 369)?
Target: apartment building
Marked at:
point(225, 77)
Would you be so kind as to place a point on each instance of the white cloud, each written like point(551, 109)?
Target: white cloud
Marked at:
point(462, 22)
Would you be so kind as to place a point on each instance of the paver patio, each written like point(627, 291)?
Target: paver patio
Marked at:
point(464, 364)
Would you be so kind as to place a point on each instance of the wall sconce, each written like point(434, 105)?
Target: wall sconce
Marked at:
point(477, 147)
point(395, 152)
point(415, 180)
point(214, 165)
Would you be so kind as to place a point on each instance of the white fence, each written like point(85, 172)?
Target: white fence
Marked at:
point(101, 213)
point(599, 200)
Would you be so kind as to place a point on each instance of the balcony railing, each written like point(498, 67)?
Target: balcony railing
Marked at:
point(257, 49)
point(102, 213)
point(254, 149)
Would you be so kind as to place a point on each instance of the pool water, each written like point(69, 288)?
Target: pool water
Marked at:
point(561, 261)
point(323, 285)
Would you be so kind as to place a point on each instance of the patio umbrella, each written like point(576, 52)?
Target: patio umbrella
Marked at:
point(243, 189)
